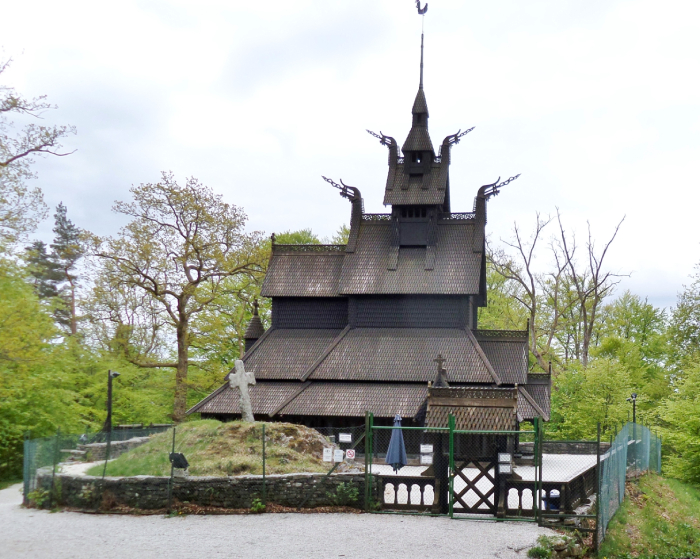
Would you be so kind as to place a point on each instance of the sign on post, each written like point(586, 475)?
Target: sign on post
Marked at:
point(426, 459)
point(350, 454)
point(426, 449)
point(345, 437)
point(338, 455)
point(328, 455)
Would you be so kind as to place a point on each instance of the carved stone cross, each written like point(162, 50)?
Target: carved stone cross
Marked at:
point(240, 379)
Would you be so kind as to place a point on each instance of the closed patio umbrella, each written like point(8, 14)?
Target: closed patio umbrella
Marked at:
point(396, 453)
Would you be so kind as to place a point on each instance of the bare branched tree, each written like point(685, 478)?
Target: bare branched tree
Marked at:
point(592, 283)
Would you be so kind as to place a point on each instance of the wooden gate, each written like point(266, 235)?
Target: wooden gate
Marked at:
point(475, 490)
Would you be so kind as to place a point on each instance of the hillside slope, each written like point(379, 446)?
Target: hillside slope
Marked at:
point(660, 519)
point(213, 448)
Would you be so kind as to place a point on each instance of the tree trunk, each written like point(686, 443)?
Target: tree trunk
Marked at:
point(73, 321)
point(180, 406)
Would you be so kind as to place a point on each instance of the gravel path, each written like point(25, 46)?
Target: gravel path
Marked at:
point(40, 534)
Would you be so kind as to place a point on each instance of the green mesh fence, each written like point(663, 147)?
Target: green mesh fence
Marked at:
point(634, 450)
point(50, 455)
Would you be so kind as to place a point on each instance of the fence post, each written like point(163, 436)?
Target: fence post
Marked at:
point(367, 462)
point(172, 475)
point(536, 449)
point(451, 423)
point(25, 468)
point(55, 461)
point(599, 503)
point(264, 488)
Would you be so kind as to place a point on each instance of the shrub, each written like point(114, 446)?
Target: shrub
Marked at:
point(345, 494)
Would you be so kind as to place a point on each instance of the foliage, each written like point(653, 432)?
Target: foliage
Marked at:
point(257, 506)
point(346, 494)
point(680, 414)
point(170, 262)
point(22, 207)
point(658, 520)
point(38, 498)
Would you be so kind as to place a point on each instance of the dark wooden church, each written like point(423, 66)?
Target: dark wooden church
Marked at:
point(372, 325)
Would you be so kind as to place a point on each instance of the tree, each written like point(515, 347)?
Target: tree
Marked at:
point(180, 246)
point(685, 321)
point(562, 303)
point(67, 249)
point(21, 207)
point(43, 271)
point(591, 282)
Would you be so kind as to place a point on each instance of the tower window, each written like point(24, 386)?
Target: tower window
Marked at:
point(417, 157)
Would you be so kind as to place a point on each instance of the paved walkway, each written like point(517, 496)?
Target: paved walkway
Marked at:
point(27, 533)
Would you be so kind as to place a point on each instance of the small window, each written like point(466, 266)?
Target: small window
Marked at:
point(417, 157)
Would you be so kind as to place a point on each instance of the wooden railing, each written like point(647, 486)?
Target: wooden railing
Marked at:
point(409, 482)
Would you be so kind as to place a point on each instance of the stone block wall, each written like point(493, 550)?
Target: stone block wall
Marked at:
point(98, 451)
point(151, 492)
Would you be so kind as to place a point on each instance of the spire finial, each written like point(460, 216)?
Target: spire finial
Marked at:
point(255, 307)
point(421, 12)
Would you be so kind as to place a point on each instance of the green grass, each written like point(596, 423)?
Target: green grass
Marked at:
point(7, 482)
point(213, 448)
point(659, 519)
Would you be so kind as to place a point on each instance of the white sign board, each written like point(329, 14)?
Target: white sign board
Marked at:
point(345, 437)
point(350, 454)
point(503, 457)
point(328, 455)
point(426, 459)
point(338, 456)
point(426, 449)
point(505, 469)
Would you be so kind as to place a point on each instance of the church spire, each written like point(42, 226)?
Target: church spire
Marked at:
point(418, 142)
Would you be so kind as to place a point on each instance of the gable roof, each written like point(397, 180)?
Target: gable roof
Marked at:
point(405, 355)
point(427, 189)
point(456, 270)
point(507, 352)
point(303, 271)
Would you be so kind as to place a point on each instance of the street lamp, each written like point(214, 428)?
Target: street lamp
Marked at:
point(633, 399)
point(111, 375)
point(108, 422)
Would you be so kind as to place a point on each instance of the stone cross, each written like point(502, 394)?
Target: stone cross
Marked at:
point(241, 380)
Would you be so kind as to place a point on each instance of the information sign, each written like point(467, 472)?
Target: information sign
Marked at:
point(338, 455)
point(504, 457)
point(426, 449)
point(350, 454)
point(345, 437)
point(426, 459)
point(505, 469)
point(328, 455)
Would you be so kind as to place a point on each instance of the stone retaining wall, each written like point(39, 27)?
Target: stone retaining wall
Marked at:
point(98, 451)
point(151, 492)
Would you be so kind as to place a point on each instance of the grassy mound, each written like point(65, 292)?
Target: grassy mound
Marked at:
point(213, 448)
point(660, 519)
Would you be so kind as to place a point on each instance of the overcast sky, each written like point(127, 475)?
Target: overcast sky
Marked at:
point(595, 102)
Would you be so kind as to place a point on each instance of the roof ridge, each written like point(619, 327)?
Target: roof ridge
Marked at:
point(533, 402)
point(485, 359)
point(290, 399)
point(326, 352)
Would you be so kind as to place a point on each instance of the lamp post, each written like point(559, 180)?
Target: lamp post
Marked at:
point(108, 422)
point(111, 375)
point(633, 399)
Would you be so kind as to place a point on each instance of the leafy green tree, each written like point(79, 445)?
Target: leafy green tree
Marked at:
point(180, 246)
point(67, 249)
point(685, 321)
point(583, 397)
point(681, 421)
point(300, 237)
point(43, 271)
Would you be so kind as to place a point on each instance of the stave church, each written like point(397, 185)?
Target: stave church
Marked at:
point(388, 323)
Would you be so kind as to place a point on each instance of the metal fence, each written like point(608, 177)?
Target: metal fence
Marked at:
point(634, 450)
point(51, 454)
